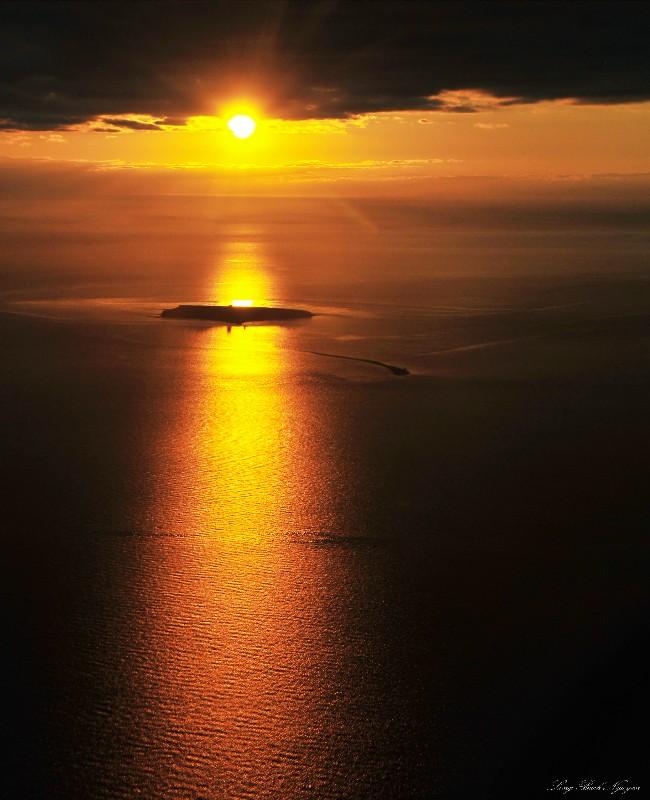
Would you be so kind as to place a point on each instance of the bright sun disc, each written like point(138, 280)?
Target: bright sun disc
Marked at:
point(242, 303)
point(242, 125)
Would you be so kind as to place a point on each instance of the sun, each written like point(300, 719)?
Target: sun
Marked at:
point(242, 126)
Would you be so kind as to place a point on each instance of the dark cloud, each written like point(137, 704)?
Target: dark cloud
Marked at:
point(64, 63)
point(132, 124)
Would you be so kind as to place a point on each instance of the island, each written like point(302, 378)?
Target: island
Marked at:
point(236, 315)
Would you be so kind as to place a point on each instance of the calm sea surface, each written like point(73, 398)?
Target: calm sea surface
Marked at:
point(239, 567)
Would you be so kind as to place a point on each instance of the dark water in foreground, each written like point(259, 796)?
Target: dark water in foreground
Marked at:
point(236, 569)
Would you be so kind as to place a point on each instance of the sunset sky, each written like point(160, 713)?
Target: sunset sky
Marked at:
point(348, 99)
point(325, 367)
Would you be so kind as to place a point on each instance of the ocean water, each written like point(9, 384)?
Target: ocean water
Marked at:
point(238, 566)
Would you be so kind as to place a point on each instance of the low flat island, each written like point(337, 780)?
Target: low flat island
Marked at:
point(236, 315)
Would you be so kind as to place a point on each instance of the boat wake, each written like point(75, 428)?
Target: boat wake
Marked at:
point(390, 367)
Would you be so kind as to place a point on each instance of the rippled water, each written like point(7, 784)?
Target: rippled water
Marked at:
point(240, 569)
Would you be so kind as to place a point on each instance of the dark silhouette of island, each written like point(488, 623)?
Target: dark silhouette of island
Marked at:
point(390, 367)
point(236, 315)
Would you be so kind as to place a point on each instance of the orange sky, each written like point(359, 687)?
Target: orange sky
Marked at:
point(369, 153)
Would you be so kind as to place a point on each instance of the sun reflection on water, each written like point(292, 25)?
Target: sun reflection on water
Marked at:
point(242, 273)
point(246, 659)
point(242, 411)
point(239, 441)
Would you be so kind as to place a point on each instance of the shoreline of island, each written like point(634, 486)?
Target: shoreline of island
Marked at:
point(236, 315)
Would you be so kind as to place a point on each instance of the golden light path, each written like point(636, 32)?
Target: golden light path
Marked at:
point(243, 475)
point(241, 279)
